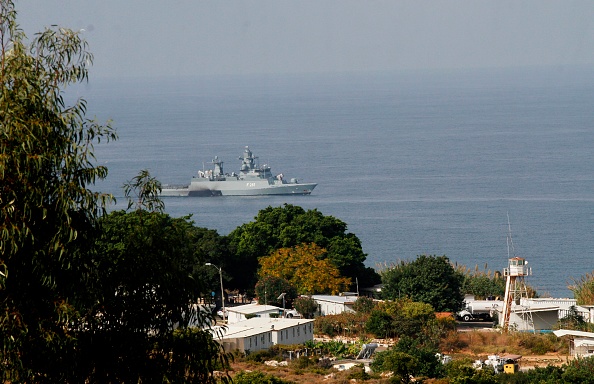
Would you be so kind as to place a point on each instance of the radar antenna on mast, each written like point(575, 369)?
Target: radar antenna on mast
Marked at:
point(510, 241)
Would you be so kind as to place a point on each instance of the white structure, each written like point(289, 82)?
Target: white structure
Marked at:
point(284, 331)
point(515, 290)
point(528, 317)
point(237, 314)
point(244, 339)
point(581, 344)
point(260, 333)
point(334, 305)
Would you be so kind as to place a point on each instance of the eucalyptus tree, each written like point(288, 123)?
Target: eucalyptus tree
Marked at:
point(47, 211)
point(84, 296)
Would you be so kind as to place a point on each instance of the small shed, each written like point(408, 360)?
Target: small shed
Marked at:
point(581, 344)
point(334, 305)
point(534, 318)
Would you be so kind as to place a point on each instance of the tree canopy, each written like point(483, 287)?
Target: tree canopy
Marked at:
point(428, 279)
point(289, 226)
point(84, 296)
point(143, 292)
point(47, 211)
point(303, 267)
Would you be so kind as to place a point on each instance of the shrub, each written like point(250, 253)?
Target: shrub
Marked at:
point(538, 344)
point(258, 377)
point(302, 362)
point(580, 371)
point(259, 356)
point(364, 305)
point(306, 306)
point(358, 373)
point(379, 324)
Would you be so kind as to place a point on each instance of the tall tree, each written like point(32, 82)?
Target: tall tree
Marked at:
point(303, 268)
point(143, 301)
point(47, 211)
point(81, 301)
point(428, 279)
point(289, 226)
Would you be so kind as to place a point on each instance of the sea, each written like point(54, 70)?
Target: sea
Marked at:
point(416, 162)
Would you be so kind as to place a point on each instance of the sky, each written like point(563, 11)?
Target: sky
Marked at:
point(233, 37)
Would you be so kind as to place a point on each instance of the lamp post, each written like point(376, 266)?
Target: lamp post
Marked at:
point(282, 296)
point(222, 291)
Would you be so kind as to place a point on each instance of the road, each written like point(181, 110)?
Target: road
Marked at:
point(464, 326)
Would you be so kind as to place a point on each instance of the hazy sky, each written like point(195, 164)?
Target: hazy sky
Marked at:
point(193, 37)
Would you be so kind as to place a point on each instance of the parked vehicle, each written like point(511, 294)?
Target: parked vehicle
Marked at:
point(291, 313)
point(482, 310)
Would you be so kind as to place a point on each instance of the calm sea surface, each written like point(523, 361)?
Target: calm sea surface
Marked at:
point(414, 163)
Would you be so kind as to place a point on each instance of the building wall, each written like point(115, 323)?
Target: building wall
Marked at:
point(331, 308)
point(251, 343)
point(297, 334)
point(542, 321)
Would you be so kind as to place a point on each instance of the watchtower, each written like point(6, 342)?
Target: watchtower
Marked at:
point(515, 288)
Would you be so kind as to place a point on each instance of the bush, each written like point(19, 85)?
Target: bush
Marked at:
point(379, 324)
point(364, 305)
point(306, 306)
point(538, 344)
point(358, 373)
point(259, 356)
point(302, 362)
point(580, 371)
point(258, 377)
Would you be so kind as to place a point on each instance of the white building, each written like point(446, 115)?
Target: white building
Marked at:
point(244, 339)
point(239, 313)
point(581, 344)
point(334, 305)
point(537, 314)
point(260, 333)
point(284, 331)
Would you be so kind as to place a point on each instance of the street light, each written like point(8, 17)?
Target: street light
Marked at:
point(222, 291)
point(282, 296)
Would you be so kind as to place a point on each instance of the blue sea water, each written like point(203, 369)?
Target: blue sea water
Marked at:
point(414, 163)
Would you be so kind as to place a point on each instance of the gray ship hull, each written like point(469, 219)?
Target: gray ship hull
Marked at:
point(252, 180)
point(238, 188)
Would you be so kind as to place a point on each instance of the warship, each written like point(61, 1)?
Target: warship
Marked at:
point(252, 180)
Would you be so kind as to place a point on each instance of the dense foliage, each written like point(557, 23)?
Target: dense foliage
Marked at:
point(583, 289)
point(428, 279)
point(47, 211)
point(289, 226)
point(305, 306)
point(84, 296)
point(270, 288)
point(482, 284)
point(258, 377)
point(304, 268)
point(143, 287)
